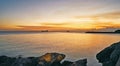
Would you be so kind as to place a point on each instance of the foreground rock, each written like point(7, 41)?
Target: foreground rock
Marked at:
point(110, 56)
point(49, 59)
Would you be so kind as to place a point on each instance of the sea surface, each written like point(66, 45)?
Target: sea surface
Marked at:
point(74, 45)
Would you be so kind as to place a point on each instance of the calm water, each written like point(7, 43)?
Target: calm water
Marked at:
point(74, 45)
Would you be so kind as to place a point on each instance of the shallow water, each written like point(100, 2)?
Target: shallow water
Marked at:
point(74, 45)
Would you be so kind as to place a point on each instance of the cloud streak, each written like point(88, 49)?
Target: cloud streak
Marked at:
point(49, 28)
point(110, 15)
point(54, 24)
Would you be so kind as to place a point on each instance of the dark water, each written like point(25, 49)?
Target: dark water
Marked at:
point(74, 45)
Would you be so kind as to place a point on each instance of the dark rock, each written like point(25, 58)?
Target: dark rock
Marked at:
point(82, 62)
point(3, 59)
point(56, 64)
point(118, 62)
point(49, 59)
point(6, 61)
point(67, 63)
point(13, 61)
point(22, 62)
point(110, 55)
point(117, 31)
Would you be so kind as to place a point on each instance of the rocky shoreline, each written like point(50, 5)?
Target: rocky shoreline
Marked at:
point(109, 56)
point(49, 59)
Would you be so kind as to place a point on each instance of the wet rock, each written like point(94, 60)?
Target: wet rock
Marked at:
point(110, 55)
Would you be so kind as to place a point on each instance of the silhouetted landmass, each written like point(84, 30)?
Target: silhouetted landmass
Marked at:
point(44, 31)
point(116, 32)
point(110, 56)
point(67, 31)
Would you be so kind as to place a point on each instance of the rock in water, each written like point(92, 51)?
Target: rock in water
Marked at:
point(110, 55)
point(50, 59)
point(82, 62)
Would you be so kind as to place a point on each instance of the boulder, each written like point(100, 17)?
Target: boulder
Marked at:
point(110, 55)
point(50, 59)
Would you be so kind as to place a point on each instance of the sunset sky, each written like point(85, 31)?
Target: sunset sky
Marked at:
point(59, 15)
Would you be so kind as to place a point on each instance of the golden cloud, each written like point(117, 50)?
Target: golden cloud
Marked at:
point(107, 25)
point(49, 28)
point(54, 24)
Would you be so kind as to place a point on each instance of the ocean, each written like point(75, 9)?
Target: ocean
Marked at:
point(74, 45)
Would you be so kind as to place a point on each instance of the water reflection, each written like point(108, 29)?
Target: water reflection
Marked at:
point(74, 45)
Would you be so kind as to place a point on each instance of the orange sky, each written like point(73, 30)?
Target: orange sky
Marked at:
point(55, 15)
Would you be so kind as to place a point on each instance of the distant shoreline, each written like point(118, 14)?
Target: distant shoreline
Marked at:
point(104, 32)
point(115, 32)
point(19, 32)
